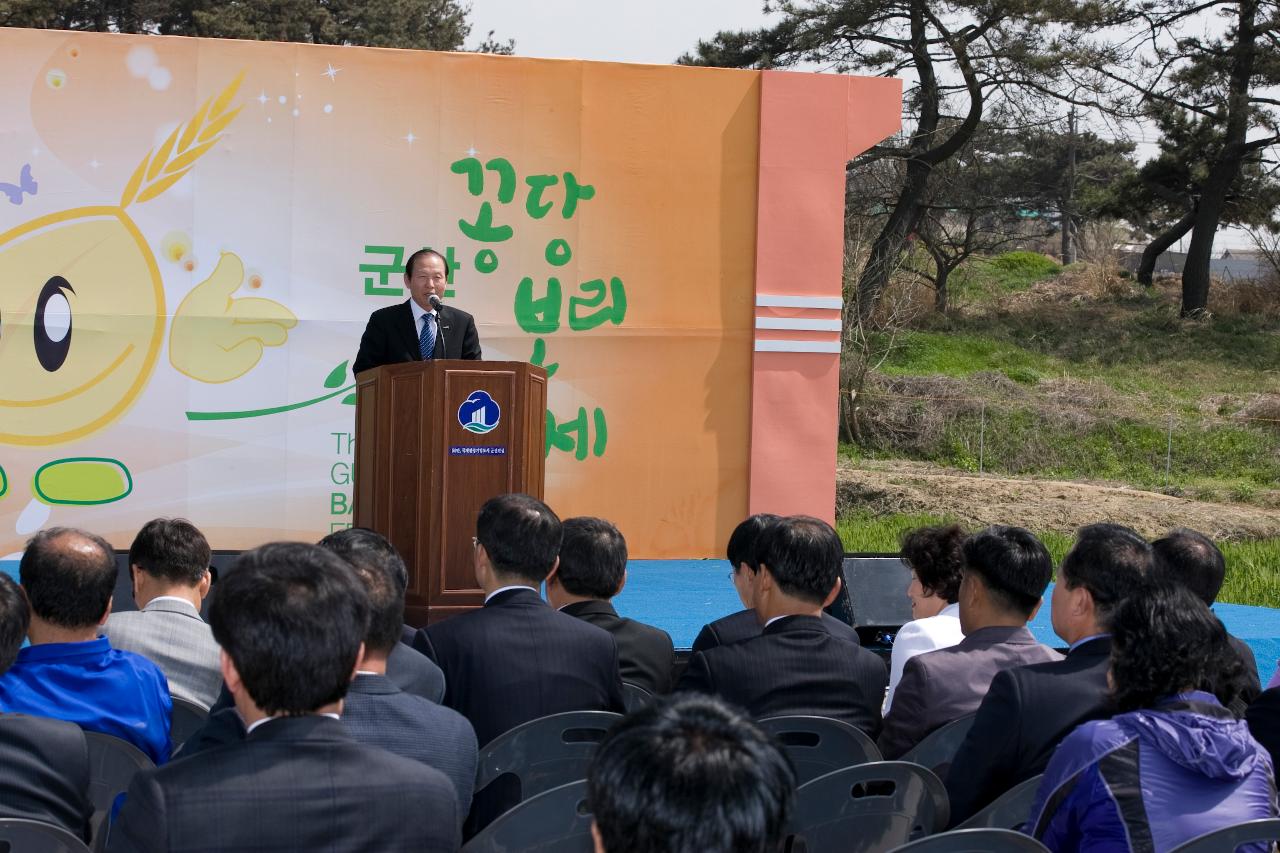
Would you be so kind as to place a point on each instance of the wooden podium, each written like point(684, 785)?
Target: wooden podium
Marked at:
point(434, 441)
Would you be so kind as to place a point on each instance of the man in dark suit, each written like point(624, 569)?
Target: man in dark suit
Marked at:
point(1193, 560)
point(592, 570)
point(418, 330)
point(379, 713)
point(1263, 717)
point(290, 619)
point(1005, 574)
point(797, 665)
point(516, 659)
point(44, 764)
point(743, 625)
point(1030, 709)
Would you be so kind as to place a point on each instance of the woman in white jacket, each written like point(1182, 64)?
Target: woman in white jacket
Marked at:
point(936, 559)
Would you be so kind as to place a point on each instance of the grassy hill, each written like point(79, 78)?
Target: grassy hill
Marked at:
point(1043, 373)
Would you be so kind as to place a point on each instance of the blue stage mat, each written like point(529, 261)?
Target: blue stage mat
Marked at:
point(680, 596)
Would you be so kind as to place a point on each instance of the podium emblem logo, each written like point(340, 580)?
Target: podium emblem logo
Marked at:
point(479, 413)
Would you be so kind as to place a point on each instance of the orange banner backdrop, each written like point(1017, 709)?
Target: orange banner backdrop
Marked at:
point(192, 233)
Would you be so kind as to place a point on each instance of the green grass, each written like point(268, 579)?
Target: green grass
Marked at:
point(958, 354)
point(1253, 567)
point(987, 279)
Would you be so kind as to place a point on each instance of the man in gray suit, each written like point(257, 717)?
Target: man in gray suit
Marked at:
point(169, 566)
point(1005, 574)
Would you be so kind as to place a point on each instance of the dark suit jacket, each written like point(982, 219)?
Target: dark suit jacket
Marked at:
point(378, 713)
point(415, 673)
point(295, 784)
point(1251, 686)
point(798, 665)
point(944, 685)
point(646, 655)
point(743, 625)
point(516, 659)
point(1264, 722)
point(391, 337)
point(44, 772)
point(1023, 717)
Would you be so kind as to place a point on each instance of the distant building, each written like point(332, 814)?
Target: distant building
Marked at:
point(1231, 265)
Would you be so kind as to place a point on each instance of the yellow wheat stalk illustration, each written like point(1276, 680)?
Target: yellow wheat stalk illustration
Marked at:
point(162, 167)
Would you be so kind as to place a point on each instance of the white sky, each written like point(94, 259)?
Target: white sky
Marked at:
point(648, 31)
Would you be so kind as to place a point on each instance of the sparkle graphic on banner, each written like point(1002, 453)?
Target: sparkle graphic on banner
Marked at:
point(330, 71)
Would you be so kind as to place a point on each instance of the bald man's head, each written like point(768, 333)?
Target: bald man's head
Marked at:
point(69, 576)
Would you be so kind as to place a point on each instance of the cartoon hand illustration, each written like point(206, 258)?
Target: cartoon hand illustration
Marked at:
point(215, 338)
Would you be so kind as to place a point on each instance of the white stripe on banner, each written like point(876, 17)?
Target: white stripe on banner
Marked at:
point(764, 300)
point(801, 325)
point(798, 346)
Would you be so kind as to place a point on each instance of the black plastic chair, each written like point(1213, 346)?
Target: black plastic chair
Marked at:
point(186, 720)
point(545, 753)
point(554, 821)
point(635, 697)
point(1010, 810)
point(1226, 840)
point(19, 835)
point(819, 745)
point(112, 765)
point(869, 808)
point(975, 841)
point(939, 748)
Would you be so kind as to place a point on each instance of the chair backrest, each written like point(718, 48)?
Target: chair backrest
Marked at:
point(112, 765)
point(19, 835)
point(186, 720)
point(635, 697)
point(819, 745)
point(869, 807)
point(975, 841)
point(555, 821)
point(939, 748)
point(1010, 810)
point(1227, 839)
point(547, 752)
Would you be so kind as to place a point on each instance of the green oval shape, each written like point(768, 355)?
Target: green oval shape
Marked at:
point(4, 482)
point(82, 481)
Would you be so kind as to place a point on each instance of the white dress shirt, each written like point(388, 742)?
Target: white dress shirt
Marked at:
point(919, 636)
point(503, 589)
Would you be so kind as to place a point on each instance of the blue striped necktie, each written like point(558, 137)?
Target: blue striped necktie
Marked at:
point(427, 340)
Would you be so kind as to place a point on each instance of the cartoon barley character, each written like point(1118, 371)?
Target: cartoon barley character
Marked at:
point(82, 314)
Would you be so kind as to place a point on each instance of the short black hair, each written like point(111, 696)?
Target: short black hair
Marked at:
point(936, 555)
point(593, 558)
point(690, 774)
point(804, 555)
point(521, 535)
point(379, 567)
point(1014, 564)
point(1193, 560)
point(408, 265)
point(15, 618)
point(742, 542)
point(1165, 640)
point(291, 617)
point(173, 549)
point(1111, 562)
point(69, 576)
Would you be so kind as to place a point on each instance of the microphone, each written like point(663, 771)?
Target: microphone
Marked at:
point(435, 303)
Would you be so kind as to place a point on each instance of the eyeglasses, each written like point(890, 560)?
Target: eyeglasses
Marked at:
point(475, 543)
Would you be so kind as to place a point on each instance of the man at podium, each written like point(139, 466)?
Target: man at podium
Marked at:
point(422, 328)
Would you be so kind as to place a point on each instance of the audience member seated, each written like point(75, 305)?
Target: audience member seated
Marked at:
point(592, 570)
point(516, 659)
point(69, 672)
point(1264, 722)
point(935, 556)
point(290, 619)
point(797, 665)
point(44, 764)
point(689, 775)
point(1030, 709)
point(742, 625)
point(1193, 560)
point(1173, 763)
point(377, 712)
point(169, 567)
point(1006, 570)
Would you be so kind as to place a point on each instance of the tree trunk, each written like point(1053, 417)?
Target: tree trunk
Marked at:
point(1160, 244)
point(892, 239)
point(1069, 194)
point(940, 290)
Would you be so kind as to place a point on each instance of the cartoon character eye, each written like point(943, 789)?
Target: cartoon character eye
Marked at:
point(53, 323)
